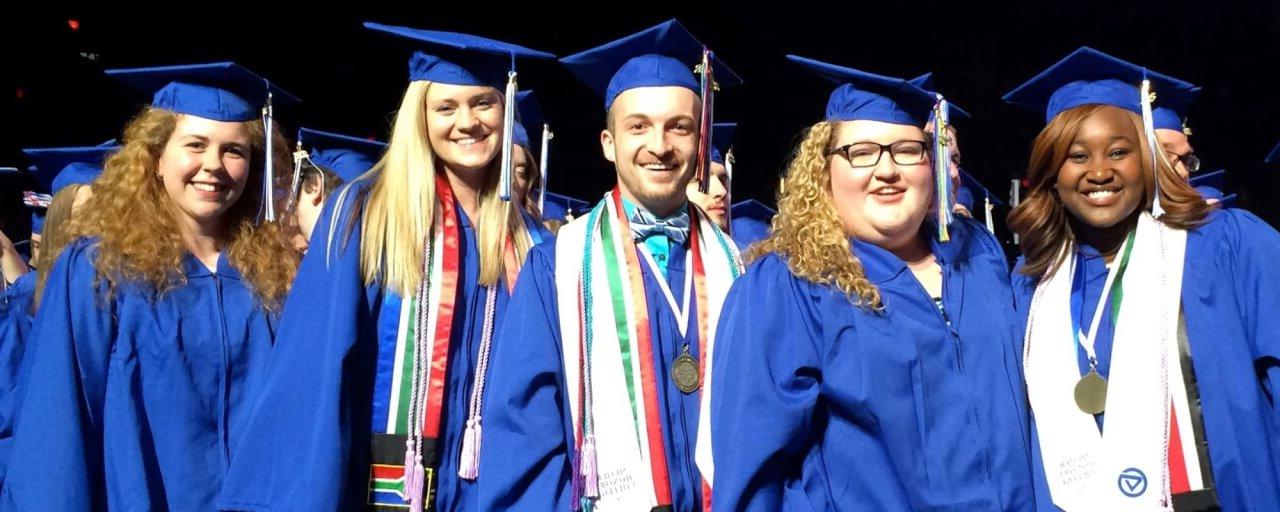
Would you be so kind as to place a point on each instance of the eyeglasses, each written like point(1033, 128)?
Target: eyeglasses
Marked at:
point(1189, 161)
point(867, 154)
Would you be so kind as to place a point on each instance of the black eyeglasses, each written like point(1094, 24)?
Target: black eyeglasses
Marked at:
point(867, 154)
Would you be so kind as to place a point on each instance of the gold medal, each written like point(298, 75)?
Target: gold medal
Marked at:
point(686, 372)
point(1091, 393)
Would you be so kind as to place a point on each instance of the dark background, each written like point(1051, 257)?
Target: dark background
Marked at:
point(53, 92)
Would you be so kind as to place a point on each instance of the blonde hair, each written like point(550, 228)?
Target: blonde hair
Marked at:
point(55, 236)
point(806, 232)
point(136, 224)
point(399, 207)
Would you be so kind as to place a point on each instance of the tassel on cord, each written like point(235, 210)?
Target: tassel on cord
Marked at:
point(508, 136)
point(268, 173)
point(542, 166)
point(1148, 128)
point(942, 168)
point(707, 90)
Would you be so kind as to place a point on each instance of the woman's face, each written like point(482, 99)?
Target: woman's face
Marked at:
point(1101, 182)
point(464, 125)
point(204, 167)
point(885, 202)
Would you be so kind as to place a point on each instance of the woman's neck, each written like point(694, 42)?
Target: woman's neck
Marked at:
point(205, 241)
point(466, 187)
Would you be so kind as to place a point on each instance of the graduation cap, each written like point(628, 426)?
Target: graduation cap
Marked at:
point(220, 91)
point(871, 97)
point(1210, 184)
point(344, 155)
point(460, 59)
point(465, 59)
point(663, 55)
point(562, 207)
point(954, 112)
point(970, 186)
point(1090, 77)
point(868, 96)
point(530, 122)
point(750, 221)
point(1174, 117)
point(721, 141)
point(1228, 201)
point(57, 168)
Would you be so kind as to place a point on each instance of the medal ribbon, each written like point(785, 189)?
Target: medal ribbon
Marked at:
point(1114, 276)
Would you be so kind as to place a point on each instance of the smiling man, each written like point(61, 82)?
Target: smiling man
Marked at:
point(597, 378)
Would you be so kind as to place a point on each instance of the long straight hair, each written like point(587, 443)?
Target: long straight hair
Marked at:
point(399, 207)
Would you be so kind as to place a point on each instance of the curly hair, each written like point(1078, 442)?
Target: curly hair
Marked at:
point(1043, 224)
point(136, 224)
point(807, 233)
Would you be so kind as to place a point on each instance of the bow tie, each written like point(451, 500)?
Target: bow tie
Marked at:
point(645, 225)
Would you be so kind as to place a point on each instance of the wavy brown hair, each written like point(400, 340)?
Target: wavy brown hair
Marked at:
point(1043, 224)
point(136, 224)
point(806, 232)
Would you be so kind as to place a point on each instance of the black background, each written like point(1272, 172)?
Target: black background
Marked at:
point(53, 92)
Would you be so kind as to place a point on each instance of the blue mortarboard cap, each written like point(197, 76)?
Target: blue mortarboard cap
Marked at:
point(721, 140)
point(1090, 77)
point(221, 91)
point(975, 188)
point(57, 168)
point(37, 221)
point(530, 124)
point(1210, 184)
point(1227, 201)
point(559, 207)
point(954, 112)
point(660, 56)
point(460, 59)
point(868, 96)
point(965, 197)
point(752, 209)
point(344, 155)
point(1173, 117)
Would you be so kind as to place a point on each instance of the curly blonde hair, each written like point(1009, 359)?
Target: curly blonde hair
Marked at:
point(806, 232)
point(136, 224)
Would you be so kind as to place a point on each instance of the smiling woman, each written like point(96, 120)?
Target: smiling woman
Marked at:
point(153, 322)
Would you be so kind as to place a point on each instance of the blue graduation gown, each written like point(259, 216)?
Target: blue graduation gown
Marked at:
point(15, 328)
point(527, 460)
point(140, 397)
point(307, 445)
point(1232, 312)
point(821, 405)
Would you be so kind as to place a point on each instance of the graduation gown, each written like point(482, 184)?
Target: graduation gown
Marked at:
point(15, 328)
point(527, 461)
point(1232, 313)
point(307, 445)
point(821, 405)
point(141, 395)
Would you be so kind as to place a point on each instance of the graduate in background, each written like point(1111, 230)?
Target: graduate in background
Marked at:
point(67, 173)
point(372, 398)
point(155, 320)
point(1173, 133)
point(595, 387)
point(1152, 340)
point(862, 363)
point(322, 163)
